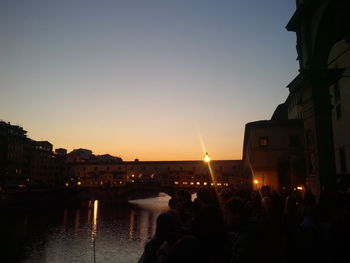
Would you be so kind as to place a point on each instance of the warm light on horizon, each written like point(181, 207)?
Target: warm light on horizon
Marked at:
point(207, 158)
point(108, 86)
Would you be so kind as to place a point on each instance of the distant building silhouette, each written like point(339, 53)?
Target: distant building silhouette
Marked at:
point(80, 155)
point(29, 164)
point(13, 143)
point(41, 164)
point(60, 152)
point(86, 156)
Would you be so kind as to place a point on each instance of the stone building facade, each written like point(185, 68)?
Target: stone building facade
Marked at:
point(273, 153)
point(319, 94)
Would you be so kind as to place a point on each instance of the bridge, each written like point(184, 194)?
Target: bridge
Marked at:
point(119, 193)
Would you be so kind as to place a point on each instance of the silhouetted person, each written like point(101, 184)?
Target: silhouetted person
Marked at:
point(167, 230)
point(205, 197)
point(246, 235)
point(172, 203)
point(210, 229)
point(310, 246)
point(187, 249)
point(272, 223)
point(184, 206)
point(291, 221)
point(339, 238)
point(253, 241)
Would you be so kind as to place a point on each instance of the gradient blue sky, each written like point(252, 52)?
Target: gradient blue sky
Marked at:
point(142, 79)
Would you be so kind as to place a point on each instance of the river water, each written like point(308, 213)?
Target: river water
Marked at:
point(109, 233)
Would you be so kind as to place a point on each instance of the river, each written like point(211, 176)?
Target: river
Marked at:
point(78, 234)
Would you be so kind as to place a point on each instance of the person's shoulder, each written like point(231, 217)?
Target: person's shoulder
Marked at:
point(153, 243)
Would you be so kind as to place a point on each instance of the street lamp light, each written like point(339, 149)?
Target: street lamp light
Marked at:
point(256, 183)
point(206, 158)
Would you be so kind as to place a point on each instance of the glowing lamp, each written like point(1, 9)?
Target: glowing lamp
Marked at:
point(206, 158)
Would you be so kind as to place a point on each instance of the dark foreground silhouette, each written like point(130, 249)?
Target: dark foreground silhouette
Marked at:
point(261, 226)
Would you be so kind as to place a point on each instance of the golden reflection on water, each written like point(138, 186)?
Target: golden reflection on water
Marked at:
point(143, 223)
point(131, 226)
point(94, 222)
point(122, 232)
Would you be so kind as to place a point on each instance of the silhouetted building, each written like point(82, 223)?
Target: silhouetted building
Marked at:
point(59, 167)
point(61, 152)
point(41, 164)
point(106, 158)
point(86, 156)
point(319, 94)
point(13, 141)
point(273, 152)
point(80, 156)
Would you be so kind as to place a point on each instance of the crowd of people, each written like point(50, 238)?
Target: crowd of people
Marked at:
point(259, 226)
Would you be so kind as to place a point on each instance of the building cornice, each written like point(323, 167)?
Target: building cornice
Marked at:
point(302, 9)
point(321, 76)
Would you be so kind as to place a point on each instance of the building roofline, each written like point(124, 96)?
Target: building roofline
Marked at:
point(266, 123)
point(273, 123)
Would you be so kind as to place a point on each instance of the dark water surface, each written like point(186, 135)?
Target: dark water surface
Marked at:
point(118, 233)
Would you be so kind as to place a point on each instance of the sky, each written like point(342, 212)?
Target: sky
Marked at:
point(146, 79)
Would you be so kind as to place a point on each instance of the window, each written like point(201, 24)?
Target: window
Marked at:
point(338, 111)
point(263, 141)
point(294, 141)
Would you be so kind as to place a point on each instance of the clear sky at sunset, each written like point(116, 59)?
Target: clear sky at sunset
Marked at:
point(143, 79)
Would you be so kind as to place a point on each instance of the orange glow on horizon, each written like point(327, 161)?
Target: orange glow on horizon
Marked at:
point(156, 144)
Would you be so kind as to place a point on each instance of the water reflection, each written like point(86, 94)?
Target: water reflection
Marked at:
point(94, 222)
point(132, 222)
point(108, 233)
